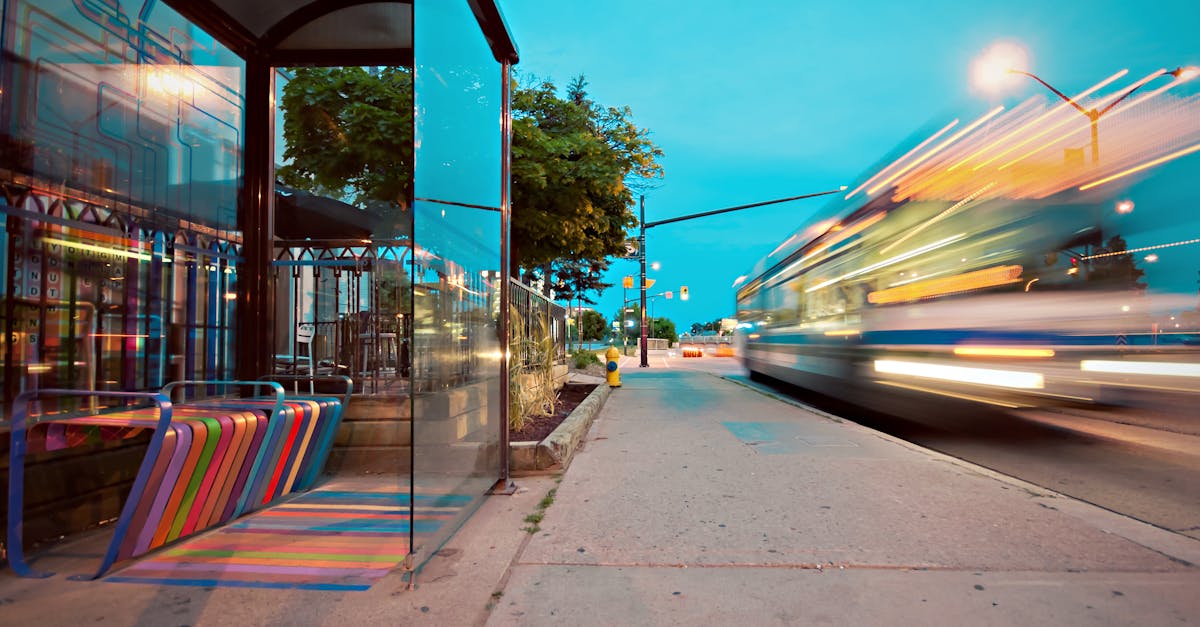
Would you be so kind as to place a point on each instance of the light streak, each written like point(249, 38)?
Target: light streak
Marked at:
point(1030, 124)
point(1107, 116)
point(1002, 351)
point(1138, 168)
point(98, 249)
point(936, 149)
point(887, 262)
point(121, 335)
point(930, 288)
point(780, 247)
point(843, 332)
point(921, 227)
point(1142, 249)
point(902, 158)
point(965, 397)
point(1160, 368)
point(841, 236)
point(979, 376)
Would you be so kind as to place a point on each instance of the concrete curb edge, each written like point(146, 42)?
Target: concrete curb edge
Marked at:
point(554, 453)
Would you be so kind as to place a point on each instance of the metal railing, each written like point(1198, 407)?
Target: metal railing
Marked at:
point(531, 308)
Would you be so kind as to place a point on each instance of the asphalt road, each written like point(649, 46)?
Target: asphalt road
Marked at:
point(1141, 463)
point(1058, 450)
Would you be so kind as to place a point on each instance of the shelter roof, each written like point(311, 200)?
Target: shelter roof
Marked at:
point(329, 32)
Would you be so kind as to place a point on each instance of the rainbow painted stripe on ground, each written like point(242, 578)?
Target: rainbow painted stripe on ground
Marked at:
point(324, 540)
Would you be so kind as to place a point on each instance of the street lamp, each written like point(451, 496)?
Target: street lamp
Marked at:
point(643, 225)
point(1094, 114)
point(991, 70)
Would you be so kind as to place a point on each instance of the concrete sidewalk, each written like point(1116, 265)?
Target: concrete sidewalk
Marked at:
point(701, 500)
point(697, 499)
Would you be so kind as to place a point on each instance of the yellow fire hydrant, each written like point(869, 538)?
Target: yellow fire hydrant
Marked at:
point(614, 376)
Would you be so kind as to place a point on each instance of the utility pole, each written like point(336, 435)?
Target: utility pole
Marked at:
point(644, 361)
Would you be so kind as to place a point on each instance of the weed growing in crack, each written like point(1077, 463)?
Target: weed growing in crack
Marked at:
point(537, 516)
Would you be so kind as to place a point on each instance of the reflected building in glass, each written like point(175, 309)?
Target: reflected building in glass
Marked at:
point(217, 191)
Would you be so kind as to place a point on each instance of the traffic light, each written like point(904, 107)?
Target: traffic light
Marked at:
point(670, 295)
point(683, 293)
point(627, 282)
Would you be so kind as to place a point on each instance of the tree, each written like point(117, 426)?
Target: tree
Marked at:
point(578, 280)
point(629, 322)
point(664, 328)
point(1115, 271)
point(571, 159)
point(349, 133)
point(592, 326)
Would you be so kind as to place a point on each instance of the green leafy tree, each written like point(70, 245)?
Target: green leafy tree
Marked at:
point(571, 160)
point(664, 328)
point(593, 326)
point(578, 281)
point(349, 133)
point(630, 332)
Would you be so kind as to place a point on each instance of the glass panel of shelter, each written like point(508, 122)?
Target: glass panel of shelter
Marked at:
point(457, 233)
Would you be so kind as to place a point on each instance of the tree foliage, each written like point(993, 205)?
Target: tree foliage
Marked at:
point(664, 328)
point(592, 326)
point(571, 159)
point(349, 133)
point(1118, 271)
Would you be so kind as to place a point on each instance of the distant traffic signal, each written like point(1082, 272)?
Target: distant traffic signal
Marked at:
point(683, 293)
point(627, 282)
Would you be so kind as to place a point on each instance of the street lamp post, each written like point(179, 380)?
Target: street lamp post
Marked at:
point(644, 362)
point(1094, 114)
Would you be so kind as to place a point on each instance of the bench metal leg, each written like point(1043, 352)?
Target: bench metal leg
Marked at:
point(16, 478)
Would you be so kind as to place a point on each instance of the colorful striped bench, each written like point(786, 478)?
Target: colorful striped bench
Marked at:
point(208, 461)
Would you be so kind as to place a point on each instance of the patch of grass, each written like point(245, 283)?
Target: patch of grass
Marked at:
point(540, 513)
point(548, 500)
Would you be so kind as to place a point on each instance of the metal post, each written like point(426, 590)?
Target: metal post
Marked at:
point(644, 361)
point(505, 484)
point(256, 291)
point(624, 304)
point(1095, 138)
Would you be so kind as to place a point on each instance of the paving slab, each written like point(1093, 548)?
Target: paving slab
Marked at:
point(697, 480)
point(455, 587)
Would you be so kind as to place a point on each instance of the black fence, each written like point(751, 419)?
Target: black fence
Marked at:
point(534, 315)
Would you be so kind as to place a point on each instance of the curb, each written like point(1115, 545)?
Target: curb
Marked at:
point(554, 453)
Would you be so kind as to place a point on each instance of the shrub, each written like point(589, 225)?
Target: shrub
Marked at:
point(583, 358)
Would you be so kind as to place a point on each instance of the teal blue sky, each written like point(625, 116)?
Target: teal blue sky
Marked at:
point(758, 100)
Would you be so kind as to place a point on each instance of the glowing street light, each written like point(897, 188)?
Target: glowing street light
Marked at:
point(990, 70)
point(998, 66)
point(1125, 206)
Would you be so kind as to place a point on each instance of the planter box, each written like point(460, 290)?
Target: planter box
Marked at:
point(554, 453)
